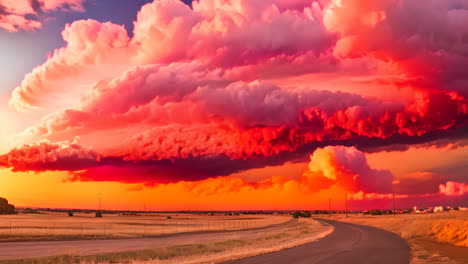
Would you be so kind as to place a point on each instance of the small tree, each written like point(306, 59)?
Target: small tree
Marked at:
point(70, 213)
point(5, 207)
point(98, 214)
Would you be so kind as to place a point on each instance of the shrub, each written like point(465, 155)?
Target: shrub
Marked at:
point(297, 214)
point(70, 213)
point(98, 214)
point(169, 217)
point(375, 212)
point(306, 214)
point(30, 211)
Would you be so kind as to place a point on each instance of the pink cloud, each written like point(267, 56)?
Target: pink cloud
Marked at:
point(219, 39)
point(454, 188)
point(17, 15)
point(428, 48)
point(89, 43)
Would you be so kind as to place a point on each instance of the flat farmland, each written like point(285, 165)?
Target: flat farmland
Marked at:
point(59, 226)
point(155, 238)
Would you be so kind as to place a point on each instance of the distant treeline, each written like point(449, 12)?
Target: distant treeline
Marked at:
point(233, 213)
point(131, 212)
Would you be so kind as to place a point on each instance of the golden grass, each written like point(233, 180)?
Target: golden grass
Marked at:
point(58, 226)
point(445, 227)
point(212, 252)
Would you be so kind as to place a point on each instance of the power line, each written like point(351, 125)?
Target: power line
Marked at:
point(346, 204)
point(99, 201)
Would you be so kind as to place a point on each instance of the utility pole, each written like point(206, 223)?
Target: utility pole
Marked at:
point(329, 207)
point(346, 204)
point(393, 196)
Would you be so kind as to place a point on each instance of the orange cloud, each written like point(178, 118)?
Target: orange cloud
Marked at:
point(331, 168)
point(346, 167)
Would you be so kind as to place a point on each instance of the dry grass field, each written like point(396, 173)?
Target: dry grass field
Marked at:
point(434, 237)
point(255, 234)
point(59, 226)
point(308, 231)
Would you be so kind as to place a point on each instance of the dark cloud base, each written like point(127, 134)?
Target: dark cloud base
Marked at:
point(198, 168)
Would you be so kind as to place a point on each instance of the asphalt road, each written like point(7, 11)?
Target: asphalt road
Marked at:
point(348, 244)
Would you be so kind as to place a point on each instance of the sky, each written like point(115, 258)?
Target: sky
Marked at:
point(234, 104)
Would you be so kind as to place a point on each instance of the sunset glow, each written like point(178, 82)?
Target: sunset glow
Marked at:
point(234, 104)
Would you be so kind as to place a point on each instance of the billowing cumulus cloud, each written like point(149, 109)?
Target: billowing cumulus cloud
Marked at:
point(248, 34)
point(188, 104)
point(348, 168)
point(24, 14)
point(89, 44)
point(454, 188)
point(225, 86)
point(423, 40)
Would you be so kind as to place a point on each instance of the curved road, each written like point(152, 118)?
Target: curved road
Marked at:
point(349, 243)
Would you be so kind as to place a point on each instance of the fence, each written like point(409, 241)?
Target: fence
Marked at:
point(126, 226)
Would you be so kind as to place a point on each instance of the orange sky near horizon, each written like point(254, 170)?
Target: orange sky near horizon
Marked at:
point(52, 190)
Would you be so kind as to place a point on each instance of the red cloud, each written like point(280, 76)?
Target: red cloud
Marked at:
point(454, 188)
point(18, 14)
point(45, 156)
point(193, 112)
point(236, 81)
